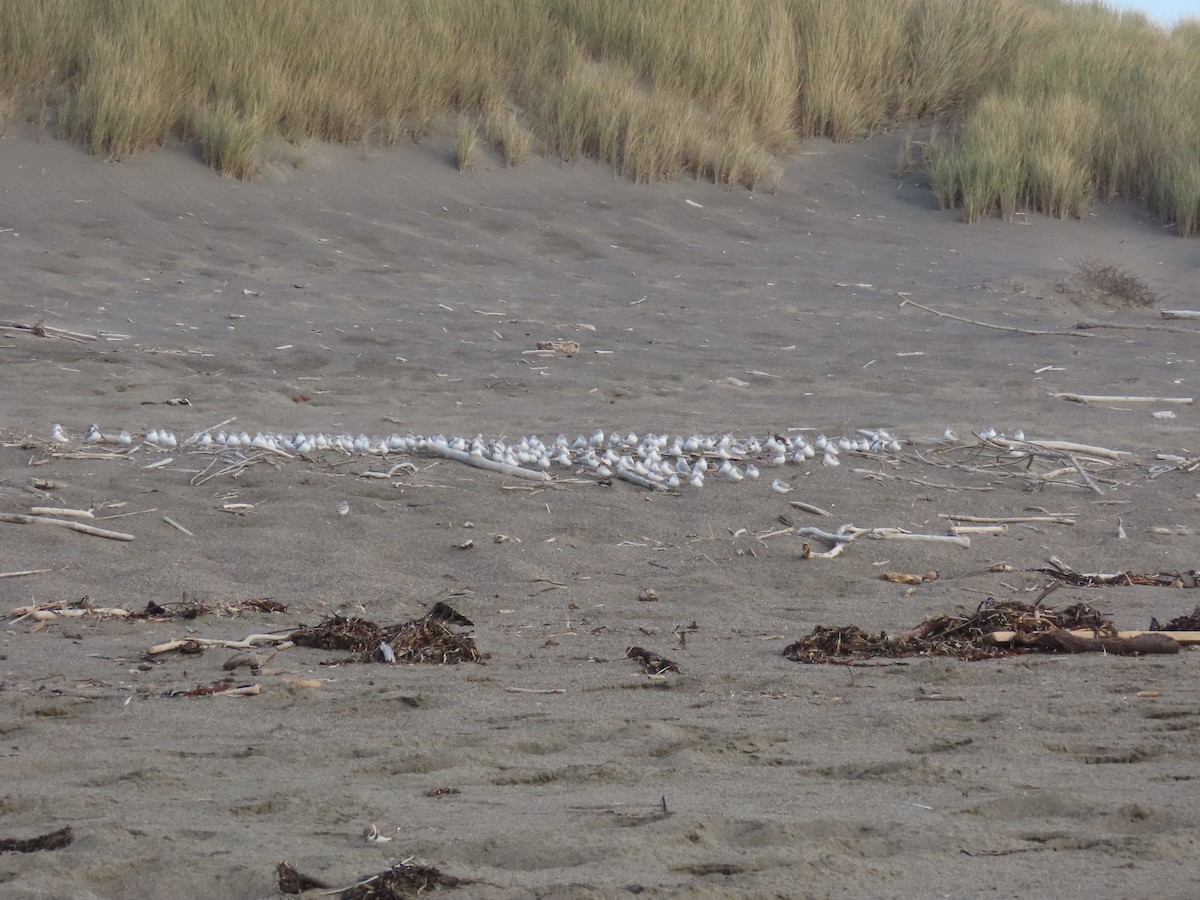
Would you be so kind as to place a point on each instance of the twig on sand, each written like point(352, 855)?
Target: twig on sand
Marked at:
point(177, 526)
point(24, 572)
point(1179, 313)
point(280, 639)
point(18, 519)
point(41, 329)
point(1060, 446)
point(1007, 520)
point(62, 512)
point(848, 533)
point(946, 315)
point(809, 508)
point(524, 690)
point(1119, 398)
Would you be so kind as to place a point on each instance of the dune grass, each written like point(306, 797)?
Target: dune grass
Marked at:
point(1040, 104)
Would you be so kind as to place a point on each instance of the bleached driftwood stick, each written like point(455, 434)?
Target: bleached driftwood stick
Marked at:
point(809, 508)
point(849, 533)
point(1119, 398)
point(62, 512)
point(281, 639)
point(1179, 313)
point(979, 529)
point(1007, 520)
point(18, 519)
point(1061, 446)
point(448, 452)
point(43, 330)
point(24, 572)
point(1183, 637)
point(65, 609)
point(177, 526)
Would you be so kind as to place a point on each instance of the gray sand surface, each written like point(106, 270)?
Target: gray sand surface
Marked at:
point(398, 295)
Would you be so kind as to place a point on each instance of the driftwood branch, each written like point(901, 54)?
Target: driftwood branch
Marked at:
point(18, 519)
point(946, 315)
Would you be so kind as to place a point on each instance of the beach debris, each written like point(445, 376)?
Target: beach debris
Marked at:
point(905, 301)
point(1189, 622)
point(375, 835)
point(223, 688)
point(909, 577)
point(66, 609)
point(401, 881)
point(996, 628)
point(849, 533)
point(1120, 398)
point(51, 840)
point(21, 519)
point(293, 882)
point(652, 663)
point(1179, 313)
point(649, 595)
point(42, 330)
point(566, 348)
point(428, 639)
point(809, 508)
point(1064, 573)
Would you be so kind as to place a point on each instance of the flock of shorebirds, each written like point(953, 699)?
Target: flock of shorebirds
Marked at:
point(657, 461)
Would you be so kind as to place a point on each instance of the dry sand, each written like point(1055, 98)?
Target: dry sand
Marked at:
point(399, 295)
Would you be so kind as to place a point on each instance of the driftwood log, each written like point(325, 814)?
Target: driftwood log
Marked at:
point(1141, 644)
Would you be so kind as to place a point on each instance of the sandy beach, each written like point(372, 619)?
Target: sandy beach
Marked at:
point(385, 292)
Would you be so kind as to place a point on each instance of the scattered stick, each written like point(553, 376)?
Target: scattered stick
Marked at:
point(946, 315)
point(1086, 642)
point(1179, 313)
point(870, 473)
point(521, 690)
point(282, 640)
point(40, 329)
point(1008, 520)
point(809, 508)
point(448, 452)
point(177, 526)
point(18, 519)
point(24, 572)
point(1119, 398)
point(1061, 446)
point(979, 529)
point(1181, 637)
point(62, 512)
point(848, 533)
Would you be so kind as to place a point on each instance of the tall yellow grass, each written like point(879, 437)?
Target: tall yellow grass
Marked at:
point(1041, 104)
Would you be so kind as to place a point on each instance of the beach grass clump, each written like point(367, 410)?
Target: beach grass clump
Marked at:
point(1042, 105)
point(466, 138)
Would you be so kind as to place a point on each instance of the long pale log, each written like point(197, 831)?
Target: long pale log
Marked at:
point(480, 462)
point(1183, 637)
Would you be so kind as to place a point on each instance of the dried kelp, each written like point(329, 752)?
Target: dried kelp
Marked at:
point(961, 636)
point(52, 840)
point(1190, 622)
point(194, 609)
point(651, 662)
point(428, 639)
point(294, 882)
point(1123, 579)
point(402, 881)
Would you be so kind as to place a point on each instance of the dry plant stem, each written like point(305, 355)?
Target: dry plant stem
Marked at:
point(946, 315)
point(1133, 327)
point(24, 572)
point(1119, 398)
point(870, 473)
point(809, 508)
point(62, 513)
point(523, 690)
point(1179, 313)
point(16, 519)
point(462, 456)
point(979, 529)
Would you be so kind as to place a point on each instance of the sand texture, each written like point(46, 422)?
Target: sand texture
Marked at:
point(391, 294)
